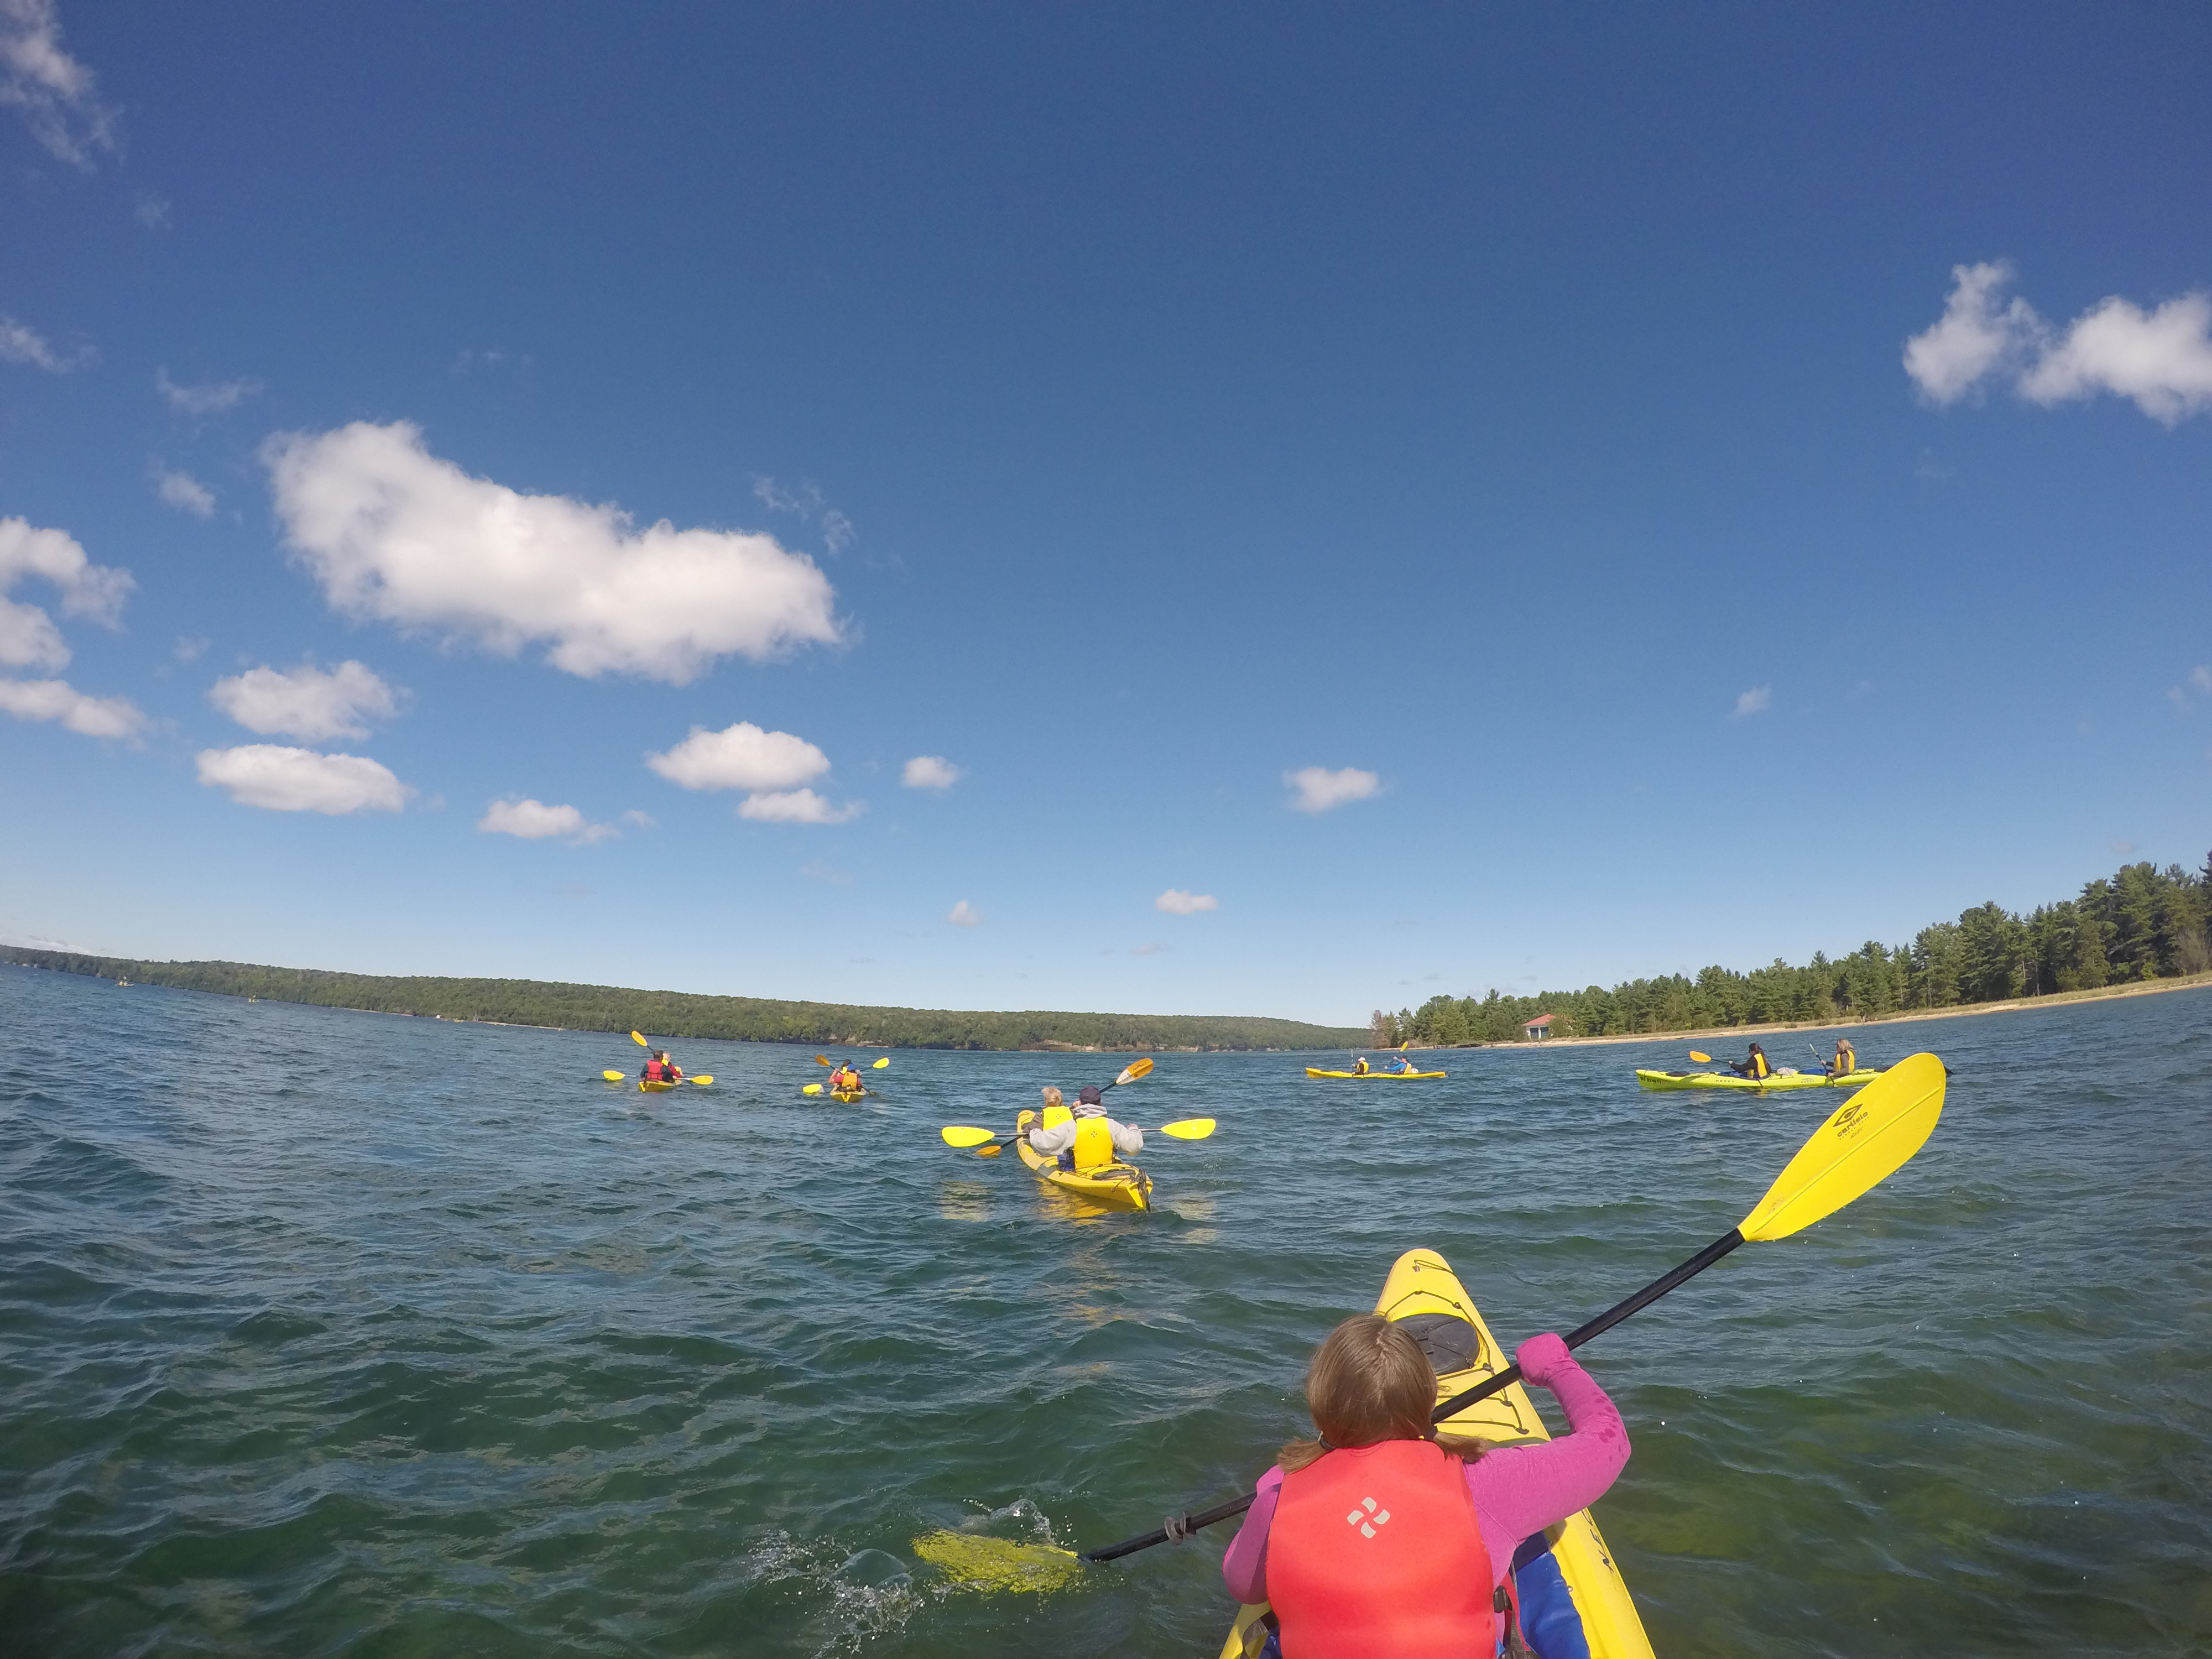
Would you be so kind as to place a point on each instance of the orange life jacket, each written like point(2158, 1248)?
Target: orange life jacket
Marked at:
point(1374, 1553)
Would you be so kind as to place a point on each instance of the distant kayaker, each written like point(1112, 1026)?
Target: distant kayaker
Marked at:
point(1089, 1139)
point(1846, 1061)
point(661, 1069)
point(846, 1079)
point(1359, 1066)
point(1404, 1066)
point(1381, 1535)
point(1752, 1065)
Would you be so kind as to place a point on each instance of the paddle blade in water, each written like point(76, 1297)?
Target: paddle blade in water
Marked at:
point(703, 1079)
point(880, 1064)
point(640, 1041)
point(993, 1563)
point(1188, 1129)
point(965, 1135)
point(1869, 1136)
point(615, 1077)
point(811, 1089)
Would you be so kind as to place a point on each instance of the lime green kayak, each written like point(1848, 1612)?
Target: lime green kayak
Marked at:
point(1774, 1085)
point(1370, 1077)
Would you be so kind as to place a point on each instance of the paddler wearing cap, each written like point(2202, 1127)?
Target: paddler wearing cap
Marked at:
point(1090, 1139)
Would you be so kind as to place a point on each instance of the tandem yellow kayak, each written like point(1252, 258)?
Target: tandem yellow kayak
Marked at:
point(1779, 1082)
point(1117, 1186)
point(1370, 1077)
point(1572, 1586)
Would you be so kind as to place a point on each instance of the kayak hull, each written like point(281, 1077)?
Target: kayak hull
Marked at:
point(1116, 1186)
point(1371, 1077)
point(1421, 1282)
point(648, 1087)
point(848, 1096)
point(1778, 1084)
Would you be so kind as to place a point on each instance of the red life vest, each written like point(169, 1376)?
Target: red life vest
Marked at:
point(655, 1072)
point(1374, 1553)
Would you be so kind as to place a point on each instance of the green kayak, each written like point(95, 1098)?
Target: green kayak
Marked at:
point(1774, 1085)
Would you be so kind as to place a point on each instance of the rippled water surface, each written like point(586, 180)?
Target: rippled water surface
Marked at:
point(330, 1332)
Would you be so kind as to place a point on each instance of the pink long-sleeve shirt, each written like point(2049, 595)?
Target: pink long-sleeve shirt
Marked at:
point(1518, 1491)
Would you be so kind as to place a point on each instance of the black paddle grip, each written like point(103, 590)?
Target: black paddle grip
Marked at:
point(1158, 1534)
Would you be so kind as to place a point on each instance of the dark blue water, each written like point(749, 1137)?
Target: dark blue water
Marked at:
point(325, 1332)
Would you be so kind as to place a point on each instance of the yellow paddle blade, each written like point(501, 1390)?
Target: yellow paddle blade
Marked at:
point(811, 1089)
point(965, 1135)
point(1870, 1136)
point(1132, 1071)
point(640, 1041)
point(703, 1079)
point(1189, 1128)
point(1702, 1060)
point(880, 1064)
point(615, 1077)
point(822, 1059)
point(993, 1563)
point(990, 1151)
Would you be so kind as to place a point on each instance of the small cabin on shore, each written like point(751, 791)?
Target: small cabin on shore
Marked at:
point(1537, 1029)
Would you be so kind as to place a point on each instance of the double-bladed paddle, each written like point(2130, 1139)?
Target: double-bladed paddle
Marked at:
point(988, 1145)
point(703, 1079)
point(1867, 1138)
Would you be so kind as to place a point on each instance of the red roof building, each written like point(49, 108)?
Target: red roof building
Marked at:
point(1537, 1029)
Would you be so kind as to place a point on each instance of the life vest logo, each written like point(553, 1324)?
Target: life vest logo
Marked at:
point(1360, 1518)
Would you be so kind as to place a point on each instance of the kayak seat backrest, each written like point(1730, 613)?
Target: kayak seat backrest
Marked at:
point(1451, 1343)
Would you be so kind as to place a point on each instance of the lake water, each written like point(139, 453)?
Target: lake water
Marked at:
point(328, 1332)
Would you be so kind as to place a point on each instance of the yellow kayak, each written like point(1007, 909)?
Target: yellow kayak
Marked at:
point(848, 1096)
point(1774, 1083)
point(1574, 1583)
point(1118, 1186)
point(1369, 1077)
point(647, 1086)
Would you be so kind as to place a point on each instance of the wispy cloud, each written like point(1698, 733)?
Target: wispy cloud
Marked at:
point(806, 503)
point(1317, 789)
point(278, 779)
point(208, 397)
point(21, 343)
point(2160, 359)
point(394, 533)
point(642, 820)
point(533, 820)
point(306, 701)
point(2201, 676)
point(964, 914)
point(1757, 701)
point(1177, 903)
point(53, 91)
point(796, 806)
point(183, 492)
point(151, 211)
point(929, 772)
point(58, 700)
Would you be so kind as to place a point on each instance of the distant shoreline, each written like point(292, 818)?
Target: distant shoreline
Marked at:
point(1955, 1010)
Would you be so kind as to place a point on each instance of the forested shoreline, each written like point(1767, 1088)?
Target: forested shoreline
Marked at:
point(680, 1014)
point(2140, 924)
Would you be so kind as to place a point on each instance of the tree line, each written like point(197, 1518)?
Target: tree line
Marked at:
point(677, 1014)
point(2142, 923)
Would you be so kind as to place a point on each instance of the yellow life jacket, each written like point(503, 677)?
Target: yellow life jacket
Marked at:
point(1846, 1062)
point(1359, 1068)
point(1759, 1065)
point(1094, 1145)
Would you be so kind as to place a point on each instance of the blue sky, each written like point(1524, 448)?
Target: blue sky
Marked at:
point(684, 418)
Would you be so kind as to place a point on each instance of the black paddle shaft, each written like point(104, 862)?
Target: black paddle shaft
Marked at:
point(1459, 1402)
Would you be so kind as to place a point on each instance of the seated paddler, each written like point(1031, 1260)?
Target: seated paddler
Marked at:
point(1089, 1139)
point(1752, 1065)
point(1380, 1536)
point(1846, 1061)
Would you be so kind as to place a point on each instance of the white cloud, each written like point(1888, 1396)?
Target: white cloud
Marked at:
point(795, 806)
point(929, 772)
point(183, 492)
point(642, 820)
point(151, 211)
point(740, 756)
point(57, 699)
point(21, 343)
point(1757, 701)
point(189, 647)
point(533, 820)
point(2201, 676)
point(2161, 359)
point(53, 91)
point(305, 702)
point(29, 638)
point(208, 397)
point(283, 780)
point(964, 914)
point(1318, 789)
point(1177, 903)
point(1973, 339)
point(394, 533)
point(807, 502)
